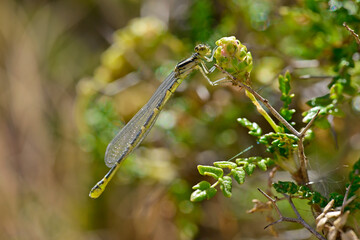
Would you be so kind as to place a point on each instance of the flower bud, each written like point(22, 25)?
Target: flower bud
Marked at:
point(233, 57)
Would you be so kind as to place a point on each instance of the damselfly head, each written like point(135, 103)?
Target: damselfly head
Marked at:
point(203, 49)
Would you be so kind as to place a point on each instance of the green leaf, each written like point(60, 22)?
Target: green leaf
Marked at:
point(355, 171)
point(287, 113)
point(302, 191)
point(225, 164)
point(354, 177)
point(203, 190)
point(226, 186)
point(325, 105)
point(322, 101)
point(211, 192)
point(200, 195)
point(355, 186)
point(309, 135)
point(286, 97)
point(284, 84)
point(262, 164)
point(318, 199)
point(322, 123)
point(283, 144)
point(249, 168)
point(286, 187)
point(343, 80)
point(238, 174)
point(305, 192)
point(214, 172)
point(203, 185)
point(338, 199)
point(254, 128)
point(336, 91)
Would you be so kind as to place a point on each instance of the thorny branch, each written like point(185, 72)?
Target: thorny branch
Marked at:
point(302, 156)
point(273, 111)
point(303, 161)
point(356, 36)
point(299, 219)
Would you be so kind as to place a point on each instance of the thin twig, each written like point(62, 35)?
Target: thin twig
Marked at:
point(299, 219)
point(302, 156)
point(303, 132)
point(292, 205)
point(356, 36)
point(303, 162)
point(314, 76)
point(345, 198)
point(272, 201)
point(235, 81)
point(346, 201)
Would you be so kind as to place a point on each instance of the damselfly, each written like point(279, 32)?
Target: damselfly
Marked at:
point(130, 136)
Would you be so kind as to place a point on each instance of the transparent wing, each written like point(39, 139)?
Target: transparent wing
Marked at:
point(132, 134)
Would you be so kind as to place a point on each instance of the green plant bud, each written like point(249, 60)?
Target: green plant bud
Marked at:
point(233, 57)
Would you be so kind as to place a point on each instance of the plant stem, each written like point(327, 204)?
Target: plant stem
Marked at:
point(273, 111)
point(356, 36)
point(262, 111)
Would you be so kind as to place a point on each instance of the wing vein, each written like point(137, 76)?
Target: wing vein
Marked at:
point(132, 134)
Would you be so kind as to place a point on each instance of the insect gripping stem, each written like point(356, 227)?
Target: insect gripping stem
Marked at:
point(134, 132)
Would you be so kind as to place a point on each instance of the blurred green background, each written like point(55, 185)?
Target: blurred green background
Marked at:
point(73, 72)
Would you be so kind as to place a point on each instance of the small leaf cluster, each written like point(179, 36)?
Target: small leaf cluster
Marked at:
point(341, 88)
point(354, 179)
point(280, 143)
point(286, 97)
point(300, 191)
point(238, 170)
point(316, 198)
point(254, 128)
point(326, 106)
